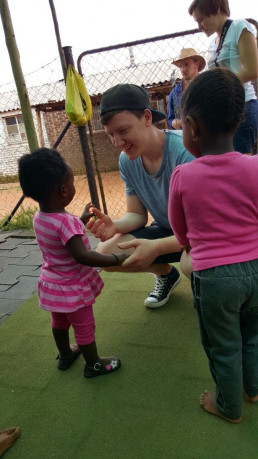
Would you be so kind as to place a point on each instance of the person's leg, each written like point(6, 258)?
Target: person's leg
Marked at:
point(7, 437)
point(60, 329)
point(83, 323)
point(218, 296)
point(166, 276)
point(249, 330)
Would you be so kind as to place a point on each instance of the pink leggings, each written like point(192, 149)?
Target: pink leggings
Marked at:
point(82, 321)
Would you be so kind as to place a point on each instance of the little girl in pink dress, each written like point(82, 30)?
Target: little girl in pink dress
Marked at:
point(68, 283)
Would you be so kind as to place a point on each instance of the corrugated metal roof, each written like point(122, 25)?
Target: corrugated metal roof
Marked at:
point(43, 94)
point(147, 75)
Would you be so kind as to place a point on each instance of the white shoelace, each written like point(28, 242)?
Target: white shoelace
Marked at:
point(159, 285)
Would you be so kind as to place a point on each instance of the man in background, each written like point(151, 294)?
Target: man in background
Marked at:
point(190, 64)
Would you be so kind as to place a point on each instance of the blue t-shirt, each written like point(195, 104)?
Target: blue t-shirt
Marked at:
point(152, 190)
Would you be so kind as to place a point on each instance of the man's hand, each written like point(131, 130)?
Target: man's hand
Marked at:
point(177, 124)
point(145, 251)
point(102, 227)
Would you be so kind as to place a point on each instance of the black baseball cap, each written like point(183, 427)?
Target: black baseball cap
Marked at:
point(128, 97)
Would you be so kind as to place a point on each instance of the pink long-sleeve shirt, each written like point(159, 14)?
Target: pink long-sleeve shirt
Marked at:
point(213, 207)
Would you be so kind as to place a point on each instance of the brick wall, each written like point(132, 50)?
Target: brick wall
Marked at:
point(70, 147)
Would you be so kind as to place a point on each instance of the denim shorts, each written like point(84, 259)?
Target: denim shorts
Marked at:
point(155, 232)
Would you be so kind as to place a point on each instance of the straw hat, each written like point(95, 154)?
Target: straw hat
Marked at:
point(190, 52)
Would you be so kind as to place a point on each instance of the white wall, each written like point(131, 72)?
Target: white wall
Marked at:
point(11, 152)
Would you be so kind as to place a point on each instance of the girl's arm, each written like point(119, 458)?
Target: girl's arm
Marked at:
point(176, 215)
point(86, 257)
point(248, 55)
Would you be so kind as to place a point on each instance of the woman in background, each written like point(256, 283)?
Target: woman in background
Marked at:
point(234, 47)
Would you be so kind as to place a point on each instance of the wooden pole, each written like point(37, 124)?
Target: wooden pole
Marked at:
point(40, 129)
point(18, 75)
point(20, 85)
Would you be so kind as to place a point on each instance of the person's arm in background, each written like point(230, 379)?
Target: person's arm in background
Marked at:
point(248, 55)
point(173, 123)
point(104, 228)
point(171, 114)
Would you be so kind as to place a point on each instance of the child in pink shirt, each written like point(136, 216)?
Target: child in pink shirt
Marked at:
point(213, 209)
point(68, 283)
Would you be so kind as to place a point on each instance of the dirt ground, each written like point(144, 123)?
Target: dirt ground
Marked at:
point(10, 194)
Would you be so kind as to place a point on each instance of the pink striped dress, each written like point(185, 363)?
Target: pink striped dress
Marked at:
point(64, 285)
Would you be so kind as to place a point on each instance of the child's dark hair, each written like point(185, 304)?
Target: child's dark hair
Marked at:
point(209, 7)
point(216, 98)
point(40, 172)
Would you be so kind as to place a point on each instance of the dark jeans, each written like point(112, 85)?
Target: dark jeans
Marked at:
point(155, 232)
point(226, 301)
point(246, 135)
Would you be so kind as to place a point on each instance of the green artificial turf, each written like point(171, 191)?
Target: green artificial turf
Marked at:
point(148, 409)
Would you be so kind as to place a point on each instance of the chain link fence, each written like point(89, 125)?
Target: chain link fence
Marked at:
point(147, 63)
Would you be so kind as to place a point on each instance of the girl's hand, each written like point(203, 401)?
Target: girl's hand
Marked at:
point(86, 215)
point(102, 228)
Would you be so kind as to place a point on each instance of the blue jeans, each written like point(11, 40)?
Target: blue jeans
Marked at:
point(246, 135)
point(226, 301)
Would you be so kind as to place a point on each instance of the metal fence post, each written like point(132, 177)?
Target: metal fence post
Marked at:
point(84, 143)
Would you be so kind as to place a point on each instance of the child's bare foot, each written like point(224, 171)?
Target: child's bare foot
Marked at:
point(7, 438)
point(207, 402)
point(251, 399)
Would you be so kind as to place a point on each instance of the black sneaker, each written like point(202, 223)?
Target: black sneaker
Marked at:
point(162, 290)
point(100, 368)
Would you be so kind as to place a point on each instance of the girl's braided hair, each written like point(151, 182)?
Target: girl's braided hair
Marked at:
point(216, 98)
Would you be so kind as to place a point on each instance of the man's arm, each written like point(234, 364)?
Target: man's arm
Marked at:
point(145, 252)
point(136, 216)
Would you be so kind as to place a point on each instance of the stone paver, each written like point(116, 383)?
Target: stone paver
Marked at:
point(20, 263)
